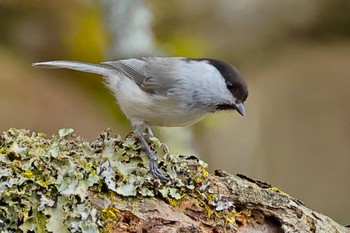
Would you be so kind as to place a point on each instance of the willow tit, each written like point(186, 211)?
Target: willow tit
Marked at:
point(166, 91)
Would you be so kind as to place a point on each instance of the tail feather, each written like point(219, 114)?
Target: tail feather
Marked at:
point(79, 66)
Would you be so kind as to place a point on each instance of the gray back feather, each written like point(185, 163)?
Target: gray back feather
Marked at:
point(153, 74)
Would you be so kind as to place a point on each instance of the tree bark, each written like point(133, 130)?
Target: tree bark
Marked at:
point(65, 184)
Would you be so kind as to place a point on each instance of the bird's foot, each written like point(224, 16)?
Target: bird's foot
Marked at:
point(149, 132)
point(156, 171)
point(152, 159)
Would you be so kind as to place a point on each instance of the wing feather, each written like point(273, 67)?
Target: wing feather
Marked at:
point(153, 74)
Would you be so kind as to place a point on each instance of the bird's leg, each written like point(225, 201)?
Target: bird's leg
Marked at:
point(152, 159)
point(138, 129)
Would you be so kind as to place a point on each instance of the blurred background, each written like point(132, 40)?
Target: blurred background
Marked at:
point(294, 54)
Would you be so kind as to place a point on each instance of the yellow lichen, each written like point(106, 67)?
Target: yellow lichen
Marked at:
point(229, 220)
point(42, 135)
point(28, 174)
point(275, 189)
point(109, 217)
point(197, 202)
point(278, 190)
point(113, 197)
point(243, 216)
point(198, 180)
point(205, 174)
point(111, 212)
point(173, 202)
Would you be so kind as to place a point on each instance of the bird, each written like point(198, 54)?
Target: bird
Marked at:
point(166, 91)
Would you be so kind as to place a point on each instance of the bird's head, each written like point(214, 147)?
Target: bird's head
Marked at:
point(235, 84)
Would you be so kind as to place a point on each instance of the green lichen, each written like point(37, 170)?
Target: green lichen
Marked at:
point(45, 182)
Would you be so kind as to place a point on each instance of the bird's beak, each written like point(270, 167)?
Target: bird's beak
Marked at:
point(240, 108)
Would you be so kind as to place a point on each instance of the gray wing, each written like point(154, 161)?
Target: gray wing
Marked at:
point(154, 75)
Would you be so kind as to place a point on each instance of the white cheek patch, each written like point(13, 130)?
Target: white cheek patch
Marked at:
point(208, 82)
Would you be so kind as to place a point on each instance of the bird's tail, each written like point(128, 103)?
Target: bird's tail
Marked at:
point(80, 66)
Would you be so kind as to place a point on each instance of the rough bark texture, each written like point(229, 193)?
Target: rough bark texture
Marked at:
point(65, 184)
point(258, 207)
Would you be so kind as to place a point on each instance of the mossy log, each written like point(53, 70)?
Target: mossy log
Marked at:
point(66, 184)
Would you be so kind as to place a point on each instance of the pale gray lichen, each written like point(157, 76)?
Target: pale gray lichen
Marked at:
point(45, 182)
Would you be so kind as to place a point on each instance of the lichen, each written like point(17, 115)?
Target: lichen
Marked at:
point(45, 182)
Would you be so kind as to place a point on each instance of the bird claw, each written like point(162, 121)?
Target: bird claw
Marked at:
point(149, 132)
point(156, 171)
point(152, 157)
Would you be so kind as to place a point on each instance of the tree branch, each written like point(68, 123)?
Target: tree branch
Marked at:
point(66, 184)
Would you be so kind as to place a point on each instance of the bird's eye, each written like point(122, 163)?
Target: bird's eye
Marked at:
point(229, 85)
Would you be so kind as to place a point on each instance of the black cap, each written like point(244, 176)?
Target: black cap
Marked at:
point(234, 81)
